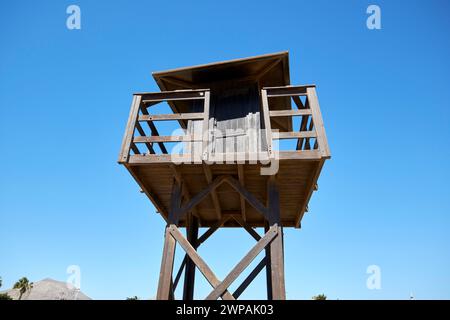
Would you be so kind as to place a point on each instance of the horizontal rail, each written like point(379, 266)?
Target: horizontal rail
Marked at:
point(288, 113)
point(175, 116)
point(291, 135)
point(287, 91)
point(171, 96)
point(186, 138)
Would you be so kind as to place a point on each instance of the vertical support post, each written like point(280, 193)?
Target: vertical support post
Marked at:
point(205, 126)
point(268, 266)
point(276, 246)
point(189, 273)
point(129, 131)
point(165, 288)
point(267, 126)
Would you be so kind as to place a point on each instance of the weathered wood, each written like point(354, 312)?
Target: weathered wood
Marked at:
point(248, 258)
point(241, 177)
point(267, 125)
point(290, 135)
point(199, 262)
point(202, 194)
point(214, 197)
point(180, 272)
point(150, 97)
point(185, 138)
point(252, 275)
point(129, 130)
point(290, 113)
point(276, 246)
point(142, 133)
point(249, 229)
point(154, 130)
point(213, 229)
point(189, 275)
point(318, 122)
point(168, 117)
point(252, 200)
point(165, 275)
point(205, 126)
point(268, 266)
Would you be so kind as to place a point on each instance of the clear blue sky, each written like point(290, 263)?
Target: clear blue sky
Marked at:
point(383, 198)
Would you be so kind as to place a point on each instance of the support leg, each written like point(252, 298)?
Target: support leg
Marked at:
point(189, 274)
point(276, 246)
point(165, 287)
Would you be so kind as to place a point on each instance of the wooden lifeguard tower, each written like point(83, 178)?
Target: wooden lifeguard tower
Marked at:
point(227, 170)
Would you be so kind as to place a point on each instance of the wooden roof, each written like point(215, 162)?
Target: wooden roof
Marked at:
point(268, 70)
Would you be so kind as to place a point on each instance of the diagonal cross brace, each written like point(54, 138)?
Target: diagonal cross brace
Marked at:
point(199, 262)
point(244, 263)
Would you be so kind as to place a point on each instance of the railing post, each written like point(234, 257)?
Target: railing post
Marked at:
point(318, 122)
point(267, 126)
point(129, 131)
point(205, 129)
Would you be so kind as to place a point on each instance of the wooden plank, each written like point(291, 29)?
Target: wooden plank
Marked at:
point(267, 126)
point(244, 263)
point(252, 200)
point(129, 130)
point(241, 177)
point(180, 272)
point(298, 102)
point(165, 275)
point(318, 122)
point(141, 159)
point(214, 197)
point(294, 155)
point(294, 134)
point(175, 203)
point(252, 275)
point(149, 97)
point(288, 113)
point(185, 138)
point(175, 116)
point(199, 262)
point(205, 126)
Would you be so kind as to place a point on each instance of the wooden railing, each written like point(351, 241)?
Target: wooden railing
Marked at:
point(135, 133)
point(311, 124)
point(311, 141)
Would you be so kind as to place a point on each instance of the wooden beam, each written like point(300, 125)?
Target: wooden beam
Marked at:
point(185, 138)
point(205, 126)
point(249, 229)
point(290, 113)
point(129, 130)
point(298, 102)
point(294, 134)
point(149, 97)
point(199, 262)
point(254, 202)
point(318, 122)
point(189, 274)
point(268, 266)
point(241, 177)
point(165, 275)
point(267, 125)
point(252, 275)
point(180, 272)
point(168, 117)
point(202, 194)
point(244, 263)
point(269, 66)
point(214, 197)
point(276, 246)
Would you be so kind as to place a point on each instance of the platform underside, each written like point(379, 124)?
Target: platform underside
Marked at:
point(296, 180)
